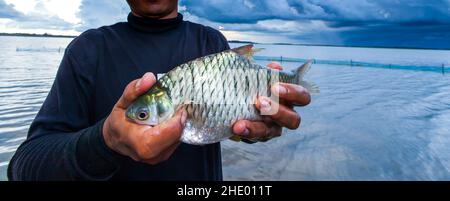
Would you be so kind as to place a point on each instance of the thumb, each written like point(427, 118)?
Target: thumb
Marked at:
point(136, 88)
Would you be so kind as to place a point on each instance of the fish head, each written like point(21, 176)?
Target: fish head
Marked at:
point(151, 108)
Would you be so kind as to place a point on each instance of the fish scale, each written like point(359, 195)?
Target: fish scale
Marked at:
point(215, 90)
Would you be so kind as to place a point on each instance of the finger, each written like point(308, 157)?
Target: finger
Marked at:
point(151, 142)
point(240, 128)
point(282, 115)
point(295, 94)
point(275, 65)
point(136, 88)
point(169, 132)
point(276, 131)
point(251, 129)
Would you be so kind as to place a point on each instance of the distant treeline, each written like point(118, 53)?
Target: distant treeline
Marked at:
point(327, 45)
point(36, 35)
point(246, 42)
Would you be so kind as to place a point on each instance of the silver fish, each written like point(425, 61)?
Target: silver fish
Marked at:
point(216, 91)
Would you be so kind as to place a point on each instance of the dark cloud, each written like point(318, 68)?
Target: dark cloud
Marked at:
point(381, 35)
point(409, 23)
point(247, 11)
point(8, 11)
point(423, 36)
point(406, 23)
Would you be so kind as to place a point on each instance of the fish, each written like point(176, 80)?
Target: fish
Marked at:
point(215, 90)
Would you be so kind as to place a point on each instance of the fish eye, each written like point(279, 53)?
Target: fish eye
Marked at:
point(142, 115)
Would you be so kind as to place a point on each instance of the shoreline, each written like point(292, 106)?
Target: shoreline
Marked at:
point(350, 46)
point(246, 42)
point(36, 35)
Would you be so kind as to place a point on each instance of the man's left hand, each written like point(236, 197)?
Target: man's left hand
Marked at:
point(290, 95)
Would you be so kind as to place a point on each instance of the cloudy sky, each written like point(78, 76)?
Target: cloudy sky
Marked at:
point(405, 23)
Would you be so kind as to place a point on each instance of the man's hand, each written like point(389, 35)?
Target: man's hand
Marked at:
point(289, 95)
point(140, 142)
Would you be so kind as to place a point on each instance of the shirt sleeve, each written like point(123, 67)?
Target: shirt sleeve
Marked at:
point(63, 142)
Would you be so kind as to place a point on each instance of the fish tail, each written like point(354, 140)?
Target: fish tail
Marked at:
point(300, 73)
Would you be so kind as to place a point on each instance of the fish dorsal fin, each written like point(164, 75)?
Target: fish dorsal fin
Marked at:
point(246, 51)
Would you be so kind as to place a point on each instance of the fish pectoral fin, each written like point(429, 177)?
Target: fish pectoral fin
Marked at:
point(247, 51)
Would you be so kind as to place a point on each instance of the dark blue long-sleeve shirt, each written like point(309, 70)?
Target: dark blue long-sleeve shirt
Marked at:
point(65, 139)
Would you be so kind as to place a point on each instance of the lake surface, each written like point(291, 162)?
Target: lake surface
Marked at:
point(365, 124)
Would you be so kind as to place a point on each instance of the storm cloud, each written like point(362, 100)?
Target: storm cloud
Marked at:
point(391, 23)
point(247, 11)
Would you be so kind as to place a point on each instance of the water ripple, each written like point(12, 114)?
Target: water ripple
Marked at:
point(365, 124)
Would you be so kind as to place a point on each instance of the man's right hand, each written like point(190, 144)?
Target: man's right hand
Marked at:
point(141, 142)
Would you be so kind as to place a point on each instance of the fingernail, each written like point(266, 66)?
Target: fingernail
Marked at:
point(265, 104)
point(244, 129)
point(183, 117)
point(146, 76)
point(246, 132)
point(280, 90)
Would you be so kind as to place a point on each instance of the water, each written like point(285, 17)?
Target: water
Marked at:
point(25, 79)
point(366, 124)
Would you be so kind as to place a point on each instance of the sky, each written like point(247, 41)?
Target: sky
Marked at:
point(390, 23)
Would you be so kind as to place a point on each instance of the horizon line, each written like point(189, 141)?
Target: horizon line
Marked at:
point(241, 41)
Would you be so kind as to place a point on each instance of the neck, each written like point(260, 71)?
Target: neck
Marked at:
point(147, 24)
point(171, 15)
